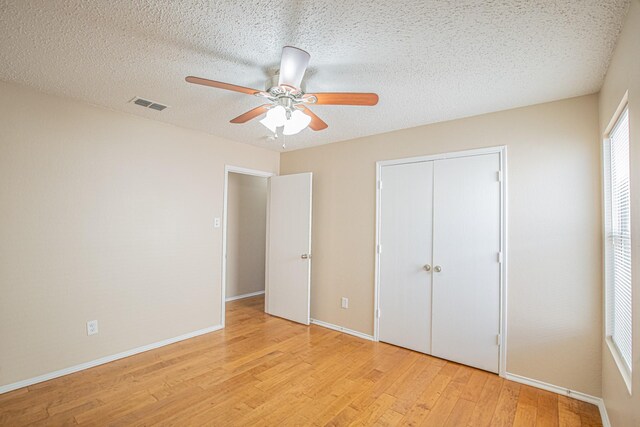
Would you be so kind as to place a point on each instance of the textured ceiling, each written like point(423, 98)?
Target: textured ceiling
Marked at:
point(428, 60)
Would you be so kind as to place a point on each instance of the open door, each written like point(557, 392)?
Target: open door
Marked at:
point(288, 264)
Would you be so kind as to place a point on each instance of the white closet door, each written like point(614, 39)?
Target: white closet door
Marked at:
point(405, 239)
point(466, 242)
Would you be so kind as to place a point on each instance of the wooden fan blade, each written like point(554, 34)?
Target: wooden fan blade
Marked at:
point(251, 114)
point(316, 122)
point(221, 85)
point(344, 98)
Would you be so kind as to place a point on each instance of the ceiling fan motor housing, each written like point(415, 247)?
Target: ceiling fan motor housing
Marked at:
point(273, 82)
point(286, 96)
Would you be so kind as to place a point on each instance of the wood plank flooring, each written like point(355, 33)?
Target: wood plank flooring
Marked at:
point(262, 370)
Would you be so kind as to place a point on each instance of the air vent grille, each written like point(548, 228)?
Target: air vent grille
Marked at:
point(148, 104)
point(142, 102)
point(158, 107)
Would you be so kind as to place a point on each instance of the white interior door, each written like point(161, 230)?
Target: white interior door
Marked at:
point(466, 242)
point(288, 264)
point(405, 255)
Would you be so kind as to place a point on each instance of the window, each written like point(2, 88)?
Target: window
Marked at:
point(618, 243)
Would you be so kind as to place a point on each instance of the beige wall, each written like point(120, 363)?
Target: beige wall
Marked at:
point(104, 216)
point(246, 233)
point(624, 75)
point(554, 279)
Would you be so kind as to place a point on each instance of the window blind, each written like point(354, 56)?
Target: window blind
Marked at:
point(618, 224)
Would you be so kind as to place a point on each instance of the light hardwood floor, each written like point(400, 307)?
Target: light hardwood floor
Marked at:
point(263, 370)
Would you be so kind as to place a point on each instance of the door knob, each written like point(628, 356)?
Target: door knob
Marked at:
point(437, 269)
point(427, 267)
point(305, 256)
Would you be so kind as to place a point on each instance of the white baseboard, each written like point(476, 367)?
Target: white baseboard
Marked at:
point(252, 294)
point(603, 414)
point(103, 360)
point(566, 392)
point(341, 329)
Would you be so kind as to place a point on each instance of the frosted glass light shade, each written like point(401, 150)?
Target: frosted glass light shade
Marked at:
point(275, 118)
point(296, 123)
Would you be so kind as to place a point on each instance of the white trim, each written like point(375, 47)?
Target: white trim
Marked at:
point(565, 392)
point(625, 371)
point(106, 359)
point(603, 413)
point(376, 264)
point(621, 106)
point(341, 329)
point(223, 284)
point(502, 151)
point(266, 250)
point(249, 295)
point(442, 156)
point(622, 366)
point(376, 257)
point(504, 248)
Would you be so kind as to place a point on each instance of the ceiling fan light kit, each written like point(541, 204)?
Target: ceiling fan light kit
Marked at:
point(292, 122)
point(287, 102)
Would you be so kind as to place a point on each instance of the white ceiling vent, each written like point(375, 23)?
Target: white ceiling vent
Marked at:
point(148, 104)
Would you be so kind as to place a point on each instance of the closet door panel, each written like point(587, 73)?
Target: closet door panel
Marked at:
point(466, 242)
point(405, 238)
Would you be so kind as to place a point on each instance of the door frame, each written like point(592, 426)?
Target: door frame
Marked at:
point(223, 285)
point(502, 151)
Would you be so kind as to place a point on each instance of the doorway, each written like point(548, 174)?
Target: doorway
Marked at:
point(244, 235)
point(277, 253)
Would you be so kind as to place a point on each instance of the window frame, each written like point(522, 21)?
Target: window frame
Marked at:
point(624, 368)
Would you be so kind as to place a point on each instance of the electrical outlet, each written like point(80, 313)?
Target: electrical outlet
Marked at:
point(92, 327)
point(216, 222)
point(345, 302)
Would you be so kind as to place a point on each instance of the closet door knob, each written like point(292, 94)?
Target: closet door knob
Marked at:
point(427, 267)
point(437, 269)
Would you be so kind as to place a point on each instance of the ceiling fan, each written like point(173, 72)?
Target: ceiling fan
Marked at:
point(286, 103)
